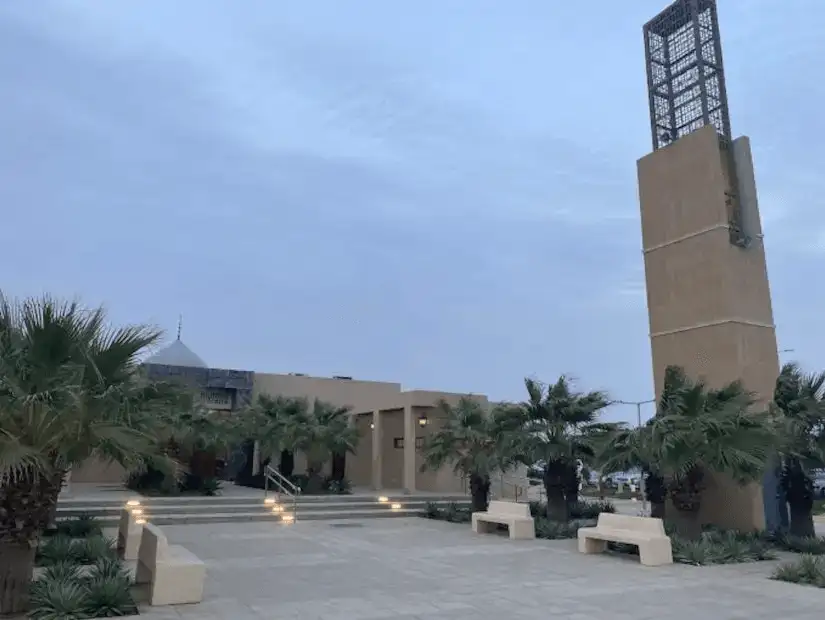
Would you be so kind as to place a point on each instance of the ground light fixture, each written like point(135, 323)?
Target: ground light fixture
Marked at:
point(395, 507)
point(140, 521)
point(288, 518)
point(269, 501)
point(137, 511)
point(277, 509)
point(132, 503)
point(422, 420)
point(383, 499)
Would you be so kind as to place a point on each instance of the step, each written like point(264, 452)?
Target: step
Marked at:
point(219, 500)
point(158, 509)
point(259, 516)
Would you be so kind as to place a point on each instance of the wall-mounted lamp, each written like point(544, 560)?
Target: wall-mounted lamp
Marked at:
point(422, 420)
point(372, 424)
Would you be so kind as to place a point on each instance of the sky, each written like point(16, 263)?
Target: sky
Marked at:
point(440, 193)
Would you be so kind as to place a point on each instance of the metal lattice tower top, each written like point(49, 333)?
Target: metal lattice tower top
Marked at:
point(685, 78)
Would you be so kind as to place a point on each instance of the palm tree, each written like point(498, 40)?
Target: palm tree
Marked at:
point(799, 400)
point(323, 433)
point(560, 427)
point(275, 422)
point(626, 449)
point(475, 443)
point(697, 432)
point(70, 389)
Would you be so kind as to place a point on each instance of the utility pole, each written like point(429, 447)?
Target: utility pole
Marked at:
point(639, 404)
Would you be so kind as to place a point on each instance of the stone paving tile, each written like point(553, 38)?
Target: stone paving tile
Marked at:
point(419, 569)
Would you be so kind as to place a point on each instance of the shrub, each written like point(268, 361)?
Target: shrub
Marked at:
point(338, 487)
point(432, 511)
point(210, 487)
point(590, 510)
point(457, 514)
point(78, 527)
point(557, 530)
point(56, 550)
point(108, 596)
point(799, 544)
point(808, 570)
point(109, 568)
point(64, 570)
point(91, 550)
point(58, 600)
point(578, 510)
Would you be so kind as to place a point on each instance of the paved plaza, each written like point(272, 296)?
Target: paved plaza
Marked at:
point(415, 568)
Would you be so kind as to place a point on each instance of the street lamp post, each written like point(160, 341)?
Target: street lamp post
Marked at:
point(639, 404)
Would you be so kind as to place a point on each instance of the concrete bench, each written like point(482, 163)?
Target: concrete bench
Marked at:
point(128, 535)
point(644, 532)
point(175, 575)
point(515, 516)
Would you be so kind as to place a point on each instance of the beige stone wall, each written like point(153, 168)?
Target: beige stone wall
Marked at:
point(708, 301)
point(361, 396)
point(97, 471)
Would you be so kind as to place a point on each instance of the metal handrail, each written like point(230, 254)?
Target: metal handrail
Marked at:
point(283, 485)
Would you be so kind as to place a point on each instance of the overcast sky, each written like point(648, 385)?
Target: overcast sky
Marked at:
point(440, 193)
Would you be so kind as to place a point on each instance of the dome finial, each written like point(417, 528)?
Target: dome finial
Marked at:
point(180, 324)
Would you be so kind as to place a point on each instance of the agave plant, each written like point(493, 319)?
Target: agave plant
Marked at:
point(108, 596)
point(58, 600)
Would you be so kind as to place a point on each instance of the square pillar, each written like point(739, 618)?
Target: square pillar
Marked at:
point(409, 449)
point(377, 451)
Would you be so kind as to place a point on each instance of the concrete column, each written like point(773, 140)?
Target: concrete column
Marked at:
point(409, 449)
point(377, 446)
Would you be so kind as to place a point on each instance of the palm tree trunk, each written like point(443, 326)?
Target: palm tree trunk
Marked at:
point(25, 507)
point(287, 464)
point(479, 492)
point(554, 486)
point(800, 497)
point(802, 520)
point(16, 566)
point(571, 488)
point(657, 510)
point(339, 466)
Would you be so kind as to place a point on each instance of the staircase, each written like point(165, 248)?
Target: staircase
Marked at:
point(233, 508)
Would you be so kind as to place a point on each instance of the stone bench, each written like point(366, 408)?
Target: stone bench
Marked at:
point(644, 532)
point(129, 533)
point(515, 516)
point(174, 574)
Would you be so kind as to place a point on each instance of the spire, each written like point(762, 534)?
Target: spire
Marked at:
point(180, 324)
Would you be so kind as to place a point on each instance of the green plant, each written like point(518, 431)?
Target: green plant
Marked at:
point(56, 550)
point(457, 514)
point(808, 570)
point(64, 570)
point(95, 548)
point(108, 596)
point(556, 530)
point(432, 511)
point(697, 432)
point(799, 401)
point(557, 427)
point(338, 487)
point(810, 545)
point(475, 442)
point(590, 509)
point(58, 600)
point(76, 527)
point(210, 487)
point(108, 568)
